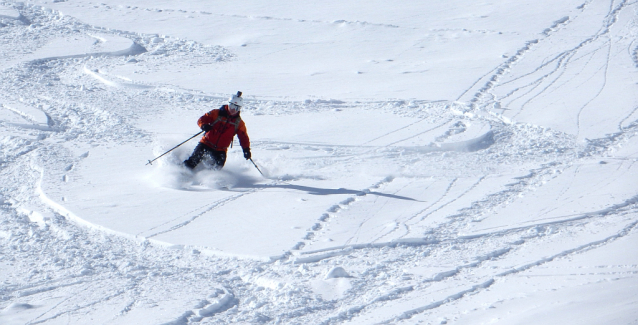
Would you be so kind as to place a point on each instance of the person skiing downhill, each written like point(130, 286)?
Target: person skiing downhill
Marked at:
point(220, 127)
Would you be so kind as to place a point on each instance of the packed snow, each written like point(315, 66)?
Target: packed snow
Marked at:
point(454, 162)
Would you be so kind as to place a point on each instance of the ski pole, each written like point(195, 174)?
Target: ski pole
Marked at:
point(259, 170)
point(150, 162)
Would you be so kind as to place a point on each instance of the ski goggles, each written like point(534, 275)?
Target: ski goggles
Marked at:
point(233, 108)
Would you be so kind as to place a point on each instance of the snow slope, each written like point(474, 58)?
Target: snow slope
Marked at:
point(437, 163)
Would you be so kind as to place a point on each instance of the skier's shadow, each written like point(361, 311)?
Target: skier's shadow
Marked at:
point(329, 191)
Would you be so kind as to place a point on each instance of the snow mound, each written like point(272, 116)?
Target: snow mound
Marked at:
point(17, 313)
point(86, 45)
point(15, 307)
point(337, 272)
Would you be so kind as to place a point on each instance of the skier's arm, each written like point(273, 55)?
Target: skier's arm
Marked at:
point(208, 118)
point(242, 134)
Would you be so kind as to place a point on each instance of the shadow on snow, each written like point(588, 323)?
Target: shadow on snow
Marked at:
point(327, 191)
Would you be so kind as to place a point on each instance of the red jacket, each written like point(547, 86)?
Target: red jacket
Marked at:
point(225, 127)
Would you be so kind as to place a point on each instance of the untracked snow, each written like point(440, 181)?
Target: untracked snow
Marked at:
point(457, 162)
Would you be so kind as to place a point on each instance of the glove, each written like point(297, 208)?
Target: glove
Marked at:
point(247, 154)
point(206, 127)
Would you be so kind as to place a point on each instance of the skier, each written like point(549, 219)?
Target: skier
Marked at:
point(221, 125)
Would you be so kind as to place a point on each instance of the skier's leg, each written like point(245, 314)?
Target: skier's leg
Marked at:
point(197, 156)
point(219, 159)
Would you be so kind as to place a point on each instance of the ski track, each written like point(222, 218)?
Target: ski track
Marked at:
point(602, 88)
point(95, 257)
point(332, 212)
point(395, 131)
point(195, 217)
point(161, 11)
point(620, 127)
point(487, 284)
point(482, 284)
point(420, 133)
point(494, 278)
point(380, 237)
point(485, 98)
point(468, 190)
point(406, 224)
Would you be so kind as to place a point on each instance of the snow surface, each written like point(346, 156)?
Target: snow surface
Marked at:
point(453, 162)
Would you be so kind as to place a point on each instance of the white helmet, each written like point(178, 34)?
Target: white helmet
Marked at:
point(235, 103)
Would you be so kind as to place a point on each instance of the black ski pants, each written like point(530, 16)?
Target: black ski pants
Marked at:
point(217, 158)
